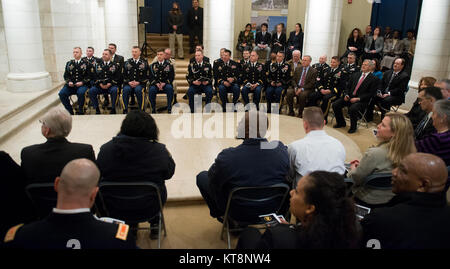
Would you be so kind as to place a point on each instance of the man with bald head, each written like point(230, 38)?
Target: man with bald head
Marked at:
point(418, 216)
point(71, 224)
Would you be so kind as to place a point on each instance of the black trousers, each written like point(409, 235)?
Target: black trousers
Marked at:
point(195, 32)
point(384, 104)
point(317, 98)
point(353, 111)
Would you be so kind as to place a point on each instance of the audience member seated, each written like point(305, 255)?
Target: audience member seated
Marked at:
point(201, 48)
point(295, 41)
point(254, 76)
point(42, 163)
point(263, 41)
point(301, 86)
point(416, 113)
point(393, 48)
point(388, 32)
point(419, 215)
point(278, 39)
point(296, 61)
point(438, 143)
point(317, 150)
point(320, 67)
point(396, 141)
point(199, 78)
point(376, 69)
point(278, 80)
point(326, 214)
point(444, 84)
point(71, 225)
point(77, 76)
point(355, 44)
point(256, 162)
point(226, 74)
point(426, 99)
point(135, 78)
point(108, 75)
point(348, 69)
point(368, 33)
point(135, 155)
point(162, 74)
point(14, 204)
point(393, 89)
point(360, 89)
point(373, 46)
point(246, 39)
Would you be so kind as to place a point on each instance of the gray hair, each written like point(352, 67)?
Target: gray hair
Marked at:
point(442, 109)
point(296, 52)
point(59, 121)
point(371, 63)
point(446, 82)
point(310, 58)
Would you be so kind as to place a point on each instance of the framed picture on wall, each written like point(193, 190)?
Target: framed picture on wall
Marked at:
point(269, 4)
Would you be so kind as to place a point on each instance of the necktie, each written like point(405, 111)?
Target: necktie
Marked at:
point(359, 84)
point(390, 81)
point(302, 79)
point(421, 125)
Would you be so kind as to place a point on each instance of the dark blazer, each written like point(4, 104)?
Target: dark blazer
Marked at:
point(310, 80)
point(295, 40)
point(205, 59)
point(264, 40)
point(175, 19)
point(42, 163)
point(367, 90)
point(281, 40)
point(414, 221)
point(398, 86)
point(120, 61)
point(421, 131)
point(192, 22)
point(359, 44)
point(247, 165)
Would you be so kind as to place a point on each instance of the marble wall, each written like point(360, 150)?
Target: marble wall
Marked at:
point(4, 65)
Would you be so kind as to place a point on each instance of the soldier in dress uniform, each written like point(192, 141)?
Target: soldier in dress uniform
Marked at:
point(216, 64)
point(349, 68)
point(227, 73)
point(107, 76)
point(135, 77)
point(320, 67)
point(120, 61)
point(279, 77)
point(161, 78)
point(243, 62)
point(330, 87)
point(71, 225)
point(77, 77)
point(201, 48)
point(199, 78)
point(93, 61)
point(254, 76)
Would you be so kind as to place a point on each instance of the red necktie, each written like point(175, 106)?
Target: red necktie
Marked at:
point(359, 84)
point(302, 80)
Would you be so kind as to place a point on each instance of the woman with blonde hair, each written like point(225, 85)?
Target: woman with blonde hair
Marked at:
point(395, 134)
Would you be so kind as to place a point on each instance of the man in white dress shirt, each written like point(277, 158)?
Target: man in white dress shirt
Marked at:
point(317, 150)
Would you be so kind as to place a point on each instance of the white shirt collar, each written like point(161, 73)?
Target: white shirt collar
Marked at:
point(71, 211)
point(161, 62)
point(316, 133)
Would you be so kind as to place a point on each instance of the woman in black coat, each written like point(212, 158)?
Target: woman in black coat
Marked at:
point(295, 41)
point(355, 44)
point(279, 39)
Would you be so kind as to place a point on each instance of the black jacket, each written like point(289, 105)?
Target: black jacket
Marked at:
point(195, 23)
point(367, 90)
point(295, 40)
point(413, 221)
point(281, 40)
point(359, 44)
point(264, 40)
point(398, 86)
point(133, 71)
point(42, 163)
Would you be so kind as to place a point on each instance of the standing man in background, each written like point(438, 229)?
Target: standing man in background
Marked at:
point(195, 23)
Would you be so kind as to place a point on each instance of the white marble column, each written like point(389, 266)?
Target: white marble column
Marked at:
point(432, 55)
point(218, 26)
point(121, 25)
point(25, 51)
point(322, 28)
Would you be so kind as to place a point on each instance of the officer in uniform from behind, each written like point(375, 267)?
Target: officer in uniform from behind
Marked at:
point(330, 87)
point(278, 78)
point(107, 76)
point(199, 78)
point(135, 77)
point(162, 75)
point(227, 78)
point(71, 225)
point(77, 77)
point(254, 76)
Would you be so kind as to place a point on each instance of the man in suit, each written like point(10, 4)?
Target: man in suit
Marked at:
point(278, 78)
point(263, 41)
point(200, 79)
point(426, 99)
point(227, 72)
point(162, 75)
point(120, 61)
point(107, 81)
point(256, 162)
point(360, 90)
point(330, 88)
point(195, 23)
point(393, 89)
point(254, 76)
point(418, 217)
point(41, 163)
point(302, 85)
point(71, 225)
point(77, 75)
point(135, 76)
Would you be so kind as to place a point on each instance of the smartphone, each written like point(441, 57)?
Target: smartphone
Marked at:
point(375, 132)
point(361, 211)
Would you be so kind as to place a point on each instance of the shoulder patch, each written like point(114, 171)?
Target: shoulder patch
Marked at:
point(12, 233)
point(122, 231)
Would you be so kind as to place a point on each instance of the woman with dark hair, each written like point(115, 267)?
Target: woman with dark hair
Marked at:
point(175, 21)
point(246, 39)
point(135, 155)
point(373, 46)
point(355, 44)
point(327, 218)
point(295, 41)
point(377, 69)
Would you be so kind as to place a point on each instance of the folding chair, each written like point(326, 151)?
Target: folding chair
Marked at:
point(43, 197)
point(132, 202)
point(252, 202)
